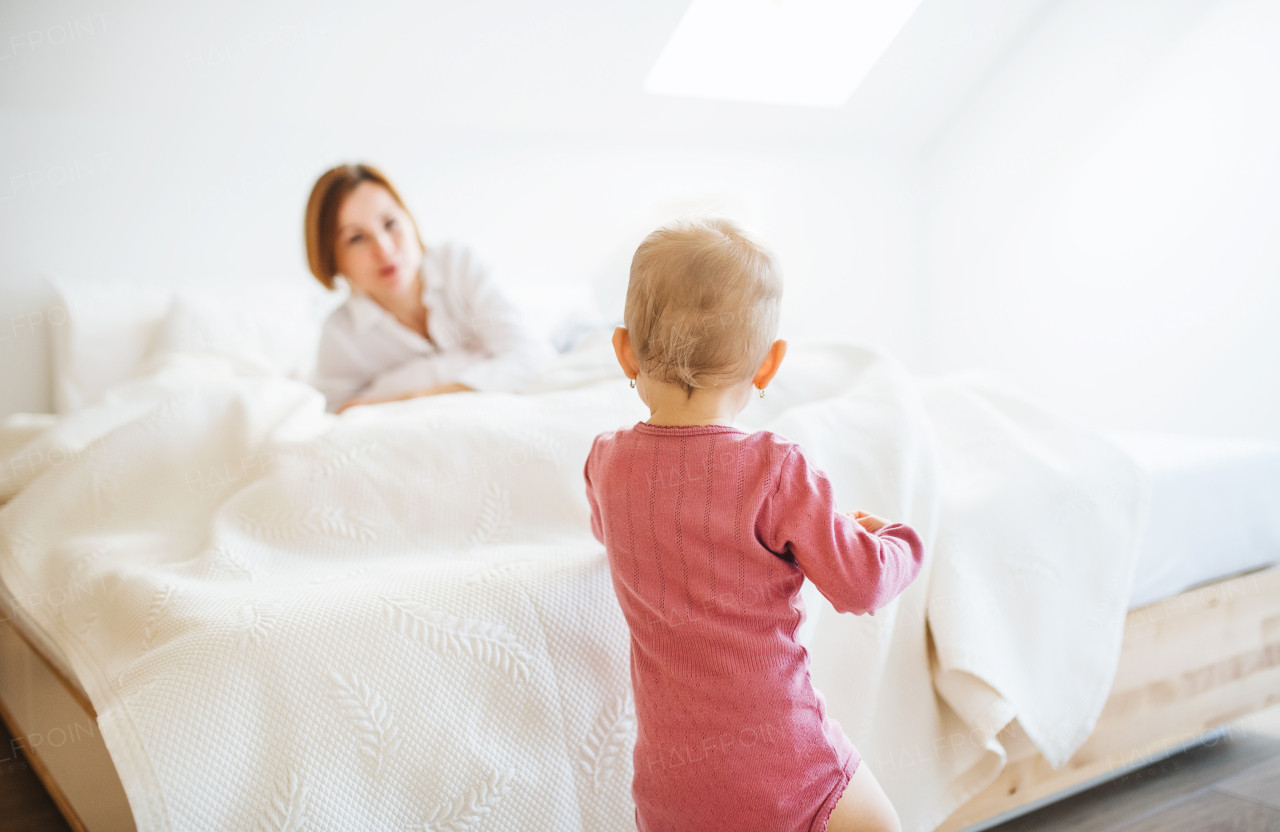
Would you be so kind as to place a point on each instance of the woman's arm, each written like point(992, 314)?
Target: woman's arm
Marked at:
point(437, 390)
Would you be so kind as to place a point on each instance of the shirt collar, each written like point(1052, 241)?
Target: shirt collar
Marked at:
point(365, 311)
point(439, 322)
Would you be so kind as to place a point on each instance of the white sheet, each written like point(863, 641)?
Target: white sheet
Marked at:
point(398, 618)
point(1215, 509)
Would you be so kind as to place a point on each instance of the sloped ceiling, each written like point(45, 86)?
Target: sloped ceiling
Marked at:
point(553, 67)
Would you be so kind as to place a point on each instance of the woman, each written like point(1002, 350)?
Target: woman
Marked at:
point(420, 321)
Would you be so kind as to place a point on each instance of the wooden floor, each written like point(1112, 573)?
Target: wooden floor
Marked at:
point(1232, 784)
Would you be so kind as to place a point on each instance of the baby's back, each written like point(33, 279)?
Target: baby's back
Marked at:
point(678, 510)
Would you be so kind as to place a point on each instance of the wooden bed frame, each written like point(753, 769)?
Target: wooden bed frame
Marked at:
point(56, 727)
point(1189, 665)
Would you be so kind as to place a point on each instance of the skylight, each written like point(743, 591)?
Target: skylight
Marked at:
point(811, 53)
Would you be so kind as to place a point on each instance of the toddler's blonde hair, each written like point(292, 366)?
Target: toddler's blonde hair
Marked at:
point(702, 303)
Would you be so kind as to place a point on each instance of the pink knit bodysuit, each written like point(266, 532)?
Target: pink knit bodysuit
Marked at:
point(710, 533)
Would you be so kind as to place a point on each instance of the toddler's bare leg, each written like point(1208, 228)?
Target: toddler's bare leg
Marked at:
point(863, 807)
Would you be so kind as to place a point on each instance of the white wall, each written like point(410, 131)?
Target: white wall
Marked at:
point(165, 143)
point(1104, 214)
point(1080, 194)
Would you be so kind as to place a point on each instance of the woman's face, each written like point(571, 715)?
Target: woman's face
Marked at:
point(377, 245)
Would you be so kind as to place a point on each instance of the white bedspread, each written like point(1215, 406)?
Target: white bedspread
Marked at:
point(398, 618)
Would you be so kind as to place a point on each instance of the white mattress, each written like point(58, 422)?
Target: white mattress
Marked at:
point(1215, 512)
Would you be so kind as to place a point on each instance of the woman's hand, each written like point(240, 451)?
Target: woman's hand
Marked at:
point(452, 387)
point(868, 521)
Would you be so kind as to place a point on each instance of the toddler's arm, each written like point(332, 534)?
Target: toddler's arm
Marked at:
point(856, 570)
point(596, 528)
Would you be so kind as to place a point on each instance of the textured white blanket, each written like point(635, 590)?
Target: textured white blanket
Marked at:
point(398, 618)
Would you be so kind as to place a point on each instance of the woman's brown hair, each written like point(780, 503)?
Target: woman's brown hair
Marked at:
point(320, 225)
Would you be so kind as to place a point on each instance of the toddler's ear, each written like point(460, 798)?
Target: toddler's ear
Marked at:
point(769, 367)
point(622, 349)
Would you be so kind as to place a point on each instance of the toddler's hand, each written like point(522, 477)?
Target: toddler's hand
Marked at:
point(868, 521)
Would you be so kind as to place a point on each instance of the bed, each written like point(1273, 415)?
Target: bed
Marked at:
point(1202, 641)
point(1194, 659)
point(1193, 609)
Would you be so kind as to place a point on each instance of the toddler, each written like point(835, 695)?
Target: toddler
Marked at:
point(710, 533)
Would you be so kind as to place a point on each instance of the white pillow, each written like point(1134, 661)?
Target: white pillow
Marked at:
point(112, 326)
point(275, 327)
point(109, 327)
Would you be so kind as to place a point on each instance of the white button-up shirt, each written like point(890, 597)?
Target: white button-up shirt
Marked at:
point(479, 338)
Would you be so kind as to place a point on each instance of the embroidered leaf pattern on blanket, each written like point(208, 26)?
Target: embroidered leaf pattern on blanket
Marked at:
point(367, 712)
point(231, 562)
point(160, 602)
point(496, 571)
point(495, 514)
point(488, 643)
point(288, 525)
point(1070, 508)
point(287, 812)
point(82, 563)
point(105, 482)
point(136, 697)
point(77, 585)
point(164, 411)
point(605, 745)
point(88, 621)
point(340, 459)
point(257, 618)
point(465, 813)
point(546, 447)
point(339, 576)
